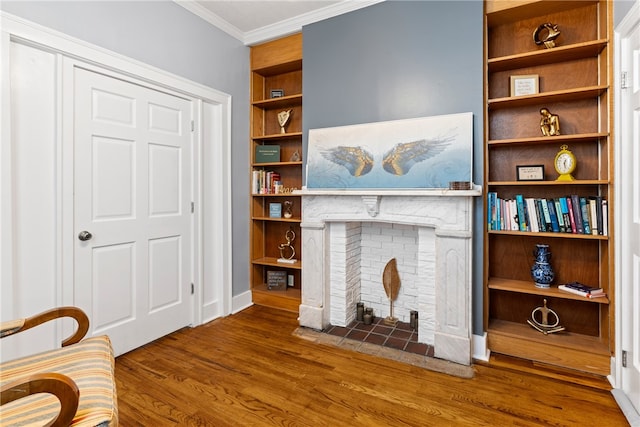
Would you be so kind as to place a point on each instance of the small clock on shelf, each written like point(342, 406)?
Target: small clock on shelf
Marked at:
point(565, 164)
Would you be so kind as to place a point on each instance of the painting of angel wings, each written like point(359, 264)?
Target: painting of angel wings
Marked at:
point(427, 152)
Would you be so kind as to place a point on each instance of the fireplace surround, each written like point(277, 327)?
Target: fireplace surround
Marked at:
point(440, 276)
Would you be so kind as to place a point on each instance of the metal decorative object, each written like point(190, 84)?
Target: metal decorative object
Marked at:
point(546, 34)
point(287, 252)
point(542, 324)
point(391, 283)
point(283, 118)
point(549, 123)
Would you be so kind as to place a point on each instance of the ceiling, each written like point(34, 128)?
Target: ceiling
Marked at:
point(255, 21)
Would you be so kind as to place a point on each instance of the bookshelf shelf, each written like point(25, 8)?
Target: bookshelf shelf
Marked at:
point(521, 286)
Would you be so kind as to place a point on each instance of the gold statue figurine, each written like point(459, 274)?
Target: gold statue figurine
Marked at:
point(548, 39)
point(543, 324)
point(549, 123)
point(283, 118)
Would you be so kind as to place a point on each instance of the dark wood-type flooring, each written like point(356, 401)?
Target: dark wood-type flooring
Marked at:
point(248, 369)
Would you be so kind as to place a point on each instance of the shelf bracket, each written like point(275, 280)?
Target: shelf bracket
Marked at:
point(372, 204)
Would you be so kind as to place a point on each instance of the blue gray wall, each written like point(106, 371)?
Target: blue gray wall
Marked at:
point(169, 37)
point(399, 60)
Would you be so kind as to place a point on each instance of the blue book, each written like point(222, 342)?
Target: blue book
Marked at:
point(564, 207)
point(275, 210)
point(522, 219)
point(555, 226)
point(559, 215)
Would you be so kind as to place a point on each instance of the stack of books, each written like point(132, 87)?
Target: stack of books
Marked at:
point(583, 290)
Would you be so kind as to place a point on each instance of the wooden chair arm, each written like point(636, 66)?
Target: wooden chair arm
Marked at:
point(13, 327)
point(61, 386)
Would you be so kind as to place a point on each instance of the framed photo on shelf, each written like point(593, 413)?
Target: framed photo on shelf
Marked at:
point(277, 93)
point(530, 172)
point(524, 85)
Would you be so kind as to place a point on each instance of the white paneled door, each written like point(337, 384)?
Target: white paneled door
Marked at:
point(629, 204)
point(132, 207)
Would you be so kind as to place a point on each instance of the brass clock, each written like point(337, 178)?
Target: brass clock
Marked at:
point(565, 164)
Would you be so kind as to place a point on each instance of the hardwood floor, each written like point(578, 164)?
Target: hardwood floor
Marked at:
point(250, 370)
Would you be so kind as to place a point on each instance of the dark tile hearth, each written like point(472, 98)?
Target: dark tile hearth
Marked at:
point(400, 337)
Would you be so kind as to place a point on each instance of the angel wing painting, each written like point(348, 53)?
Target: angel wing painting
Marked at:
point(396, 161)
point(416, 153)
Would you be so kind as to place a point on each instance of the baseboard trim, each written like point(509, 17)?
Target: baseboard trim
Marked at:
point(626, 407)
point(241, 302)
point(479, 344)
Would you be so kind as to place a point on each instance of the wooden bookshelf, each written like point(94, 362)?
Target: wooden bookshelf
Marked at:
point(276, 65)
point(575, 82)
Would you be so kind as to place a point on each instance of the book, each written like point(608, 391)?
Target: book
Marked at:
point(275, 210)
point(577, 213)
point(584, 209)
point(533, 223)
point(267, 154)
point(546, 214)
point(514, 215)
point(595, 223)
point(555, 226)
point(605, 218)
point(578, 288)
point(520, 205)
point(572, 221)
point(559, 214)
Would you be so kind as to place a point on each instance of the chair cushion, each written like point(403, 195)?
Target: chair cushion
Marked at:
point(89, 363)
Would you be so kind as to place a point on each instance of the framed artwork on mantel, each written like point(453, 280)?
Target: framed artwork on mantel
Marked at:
point(421, 153)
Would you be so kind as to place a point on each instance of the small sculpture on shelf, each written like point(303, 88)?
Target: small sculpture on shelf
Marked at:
point(543, 324)
point(283, 119)
point(548, 39)
point(288, 209)
point(287, 252)
point(549, 123)
point(295, 157)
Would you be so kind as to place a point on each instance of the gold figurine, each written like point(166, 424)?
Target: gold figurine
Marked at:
point(543, 325)
point(549, 123)
point(283, 118)
point(548, 40)
point(287, 252)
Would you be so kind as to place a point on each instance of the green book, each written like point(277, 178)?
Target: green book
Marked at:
point(267, 153)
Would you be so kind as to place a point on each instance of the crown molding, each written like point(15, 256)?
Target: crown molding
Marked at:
point(295, 24)
point(279, 29)
point(211, 18)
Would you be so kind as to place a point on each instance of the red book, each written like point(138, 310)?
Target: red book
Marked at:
point(574, 228)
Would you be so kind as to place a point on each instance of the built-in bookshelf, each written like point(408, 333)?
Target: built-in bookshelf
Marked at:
point(573, 81)
point(276, 169)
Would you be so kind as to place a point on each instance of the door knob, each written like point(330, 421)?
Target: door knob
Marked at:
point(85, 235)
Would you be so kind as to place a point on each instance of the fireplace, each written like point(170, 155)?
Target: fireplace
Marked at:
point(429, 232)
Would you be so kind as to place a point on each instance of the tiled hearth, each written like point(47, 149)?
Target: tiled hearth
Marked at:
point(399, 337)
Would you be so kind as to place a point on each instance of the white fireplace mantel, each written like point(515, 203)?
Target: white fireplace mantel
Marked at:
point(444, 219)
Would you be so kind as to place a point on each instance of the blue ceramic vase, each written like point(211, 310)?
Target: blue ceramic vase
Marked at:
point(541, 271)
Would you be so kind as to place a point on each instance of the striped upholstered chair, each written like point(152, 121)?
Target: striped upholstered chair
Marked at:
point(70, 386)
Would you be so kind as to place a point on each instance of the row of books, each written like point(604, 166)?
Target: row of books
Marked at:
point(264, 182)
point(571, 214)
point(578, 288)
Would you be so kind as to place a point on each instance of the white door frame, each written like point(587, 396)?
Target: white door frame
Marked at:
point(212, 223)
point(622, 175)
